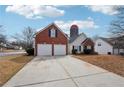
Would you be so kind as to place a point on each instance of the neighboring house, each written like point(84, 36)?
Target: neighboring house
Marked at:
point(79, 42)
point(7, 45)
point(108, 46)
point(16, 46)
point(51, 41)
point(2, 47)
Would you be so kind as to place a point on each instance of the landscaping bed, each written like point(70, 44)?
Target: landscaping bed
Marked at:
point(112, 63)
point(10, 65)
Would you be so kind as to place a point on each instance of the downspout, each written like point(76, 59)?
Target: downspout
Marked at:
point(113, 50)
point(67, 47)
point(118, 50)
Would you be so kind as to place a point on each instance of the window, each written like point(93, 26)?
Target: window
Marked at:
point(73, 48)
point(79, 48)
point(99, 44)
point(89, 47)
point(53, 32)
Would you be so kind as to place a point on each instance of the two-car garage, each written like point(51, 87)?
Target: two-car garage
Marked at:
point(51, 41)
point(51, 50)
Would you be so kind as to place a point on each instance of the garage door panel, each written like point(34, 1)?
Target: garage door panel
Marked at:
point(59, 49)
point(44, 49)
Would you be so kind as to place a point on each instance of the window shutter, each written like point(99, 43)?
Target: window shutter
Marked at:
point(56, 33)
point(79, 48)
point(73, 47)
point(49, 33)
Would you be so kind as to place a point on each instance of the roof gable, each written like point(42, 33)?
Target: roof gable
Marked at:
point(49, 26)
point(108, 40)
point(115, 42)
point(88, 41)
point(79, 36)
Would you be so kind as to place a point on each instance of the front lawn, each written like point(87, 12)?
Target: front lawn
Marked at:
point(10, 50)
point(10, 65)
point(112, 63)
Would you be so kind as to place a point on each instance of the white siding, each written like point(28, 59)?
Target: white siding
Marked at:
point(33, 43)
point(82, 48)
point(104, 48)
point(77, 42)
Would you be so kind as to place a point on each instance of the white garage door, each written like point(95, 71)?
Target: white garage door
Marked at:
point(59, 49)
point(44, 49)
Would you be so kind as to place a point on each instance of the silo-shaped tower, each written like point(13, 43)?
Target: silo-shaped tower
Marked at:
point(73, 32)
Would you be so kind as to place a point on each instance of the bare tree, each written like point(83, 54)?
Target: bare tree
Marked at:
point(95, 37)
point(25, 39)
point(2, 36)
point(117, 25)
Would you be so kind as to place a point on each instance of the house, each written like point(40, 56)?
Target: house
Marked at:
point(16, 46)
point(2, 47)
point(108, 46)
point(79, 42)
point(8, 45)
point(51, 41)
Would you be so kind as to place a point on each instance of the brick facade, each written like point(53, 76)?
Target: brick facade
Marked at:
point(43, 37)
point(88, 42)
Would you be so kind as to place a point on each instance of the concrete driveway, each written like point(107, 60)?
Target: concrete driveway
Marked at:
point(63, 71)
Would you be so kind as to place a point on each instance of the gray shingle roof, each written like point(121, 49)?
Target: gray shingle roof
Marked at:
point(115, 42)
point(74, 38)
